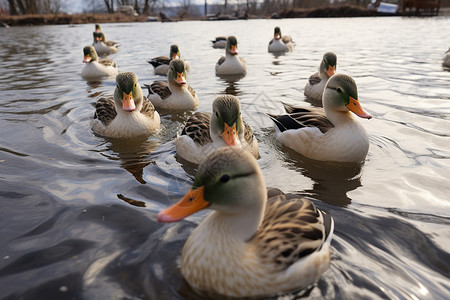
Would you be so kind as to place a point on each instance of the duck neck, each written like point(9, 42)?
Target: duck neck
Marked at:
point(242, 225)
point(337, 117)
point(174, 86)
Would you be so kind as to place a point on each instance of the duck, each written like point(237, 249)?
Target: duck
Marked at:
point(446, 59)
point(331, 133)
point(280, 43)
point(231, 63)
point(161, 63)
point(204, 132)
point(316, 83)
point(96, 68)
point(256, 241)
point(102, 46)
point(175, 93)
point(220, 42)
point(128, 114)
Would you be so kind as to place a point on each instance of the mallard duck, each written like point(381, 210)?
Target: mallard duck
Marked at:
point(175, 93)
point(205, 132)
point(446, 59)
point(95, 68)
point(316, 84)
point(128, 114)
point(280, 43)
point(256, 242)
point(220, 42)
point(102, 46)
point(161, 63)
point(231, 63)
point(331, 133)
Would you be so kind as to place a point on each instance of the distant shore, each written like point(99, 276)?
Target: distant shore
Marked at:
point(322, 12)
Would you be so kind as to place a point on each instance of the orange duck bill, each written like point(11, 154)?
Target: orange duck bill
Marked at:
point(192, 202)
point(128, 102)
point(355, 107)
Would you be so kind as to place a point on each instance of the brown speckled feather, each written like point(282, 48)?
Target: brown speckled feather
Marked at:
point(314, 79)
point(107, 62)
point(197, 128)
point(105, 110)
point(248, 133)
point(161, 88)
point(299, 117)
point(291, 229)
point(147, 108)
point(221, 60)
point(191, 90)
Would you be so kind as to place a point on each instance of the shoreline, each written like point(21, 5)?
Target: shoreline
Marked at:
point(341, 11)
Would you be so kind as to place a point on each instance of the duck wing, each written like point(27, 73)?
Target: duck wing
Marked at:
point(105, 110)
point(160, 60)
point(107, 62)
point(221, 60)
point(111, 44)
point(191, 90)
point(248, 133)
point(300, 117)
point(161, 88)
point(292, 228)
point(197, 128)
point(147, 108)
point(314, 79)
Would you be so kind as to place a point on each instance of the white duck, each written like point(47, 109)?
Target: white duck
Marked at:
point(220, 42)
point(102, 46)
point(316, 84)
point(256, 242)
point(446, 59)
point(128, 114)
point(96, 68)
point(280, 43)
point(331, 133)
point(205, 132)
point(175, 93)
point(161, 63)
point(231, 63)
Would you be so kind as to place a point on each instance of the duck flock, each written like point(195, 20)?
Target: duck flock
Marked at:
point(257, 241)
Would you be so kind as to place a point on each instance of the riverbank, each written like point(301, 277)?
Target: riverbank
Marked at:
point(322, 12)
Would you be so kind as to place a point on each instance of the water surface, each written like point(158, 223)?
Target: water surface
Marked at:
point(78, 211)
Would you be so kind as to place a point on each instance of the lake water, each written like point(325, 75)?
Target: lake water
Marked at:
point(78, 211)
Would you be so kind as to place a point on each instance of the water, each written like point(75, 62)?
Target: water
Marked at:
point(78, 211)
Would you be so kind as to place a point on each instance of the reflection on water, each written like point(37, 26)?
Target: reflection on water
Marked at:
point(78, 211)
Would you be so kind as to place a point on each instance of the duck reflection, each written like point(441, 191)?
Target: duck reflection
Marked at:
point(231, 84)
point(133, 154)
point(331, 180)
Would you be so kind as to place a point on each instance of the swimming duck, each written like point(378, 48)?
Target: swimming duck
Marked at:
point(102, 46)
point(231, 63)
point(316, 84)
point(96, 68)
point(161, 63)
point(205, 132)
point(280, 43)
point(446, 59)
point(331, 133)
point(128, 114)
point(220, 42)
point(256, 241)
point(175, 93)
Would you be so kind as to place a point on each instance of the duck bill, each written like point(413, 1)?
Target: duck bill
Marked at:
point(277, 36)
point(128, 102)
point(331, 70)
point(234, 50)
point(230, 135)
point(354, 106)
point(192, 202)
point(87, 58)
point(180, 78)
point(175, 56)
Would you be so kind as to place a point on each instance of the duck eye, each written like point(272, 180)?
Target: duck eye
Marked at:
point(339, 90)
point(225, 178)
point(217, 114)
